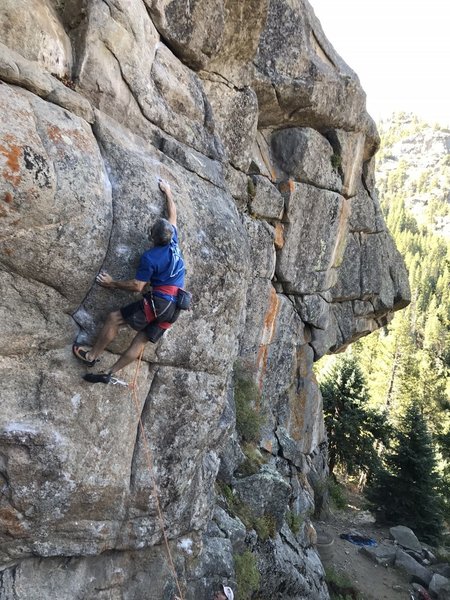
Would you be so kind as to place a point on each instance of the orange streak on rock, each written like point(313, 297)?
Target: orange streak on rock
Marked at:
point(267, 336)
point(279, 236)
point(54, 133)
point(267, 445)
point(10, 523)
point(287, 186)
point(298, 401)
point(12, 153)
point(63, 138)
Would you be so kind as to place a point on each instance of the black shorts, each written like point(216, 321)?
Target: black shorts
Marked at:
point(134, 315)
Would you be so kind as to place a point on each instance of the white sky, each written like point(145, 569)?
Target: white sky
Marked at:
point(400, 50)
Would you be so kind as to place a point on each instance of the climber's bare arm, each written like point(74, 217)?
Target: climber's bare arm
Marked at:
point(171, 208)
point(131, 285)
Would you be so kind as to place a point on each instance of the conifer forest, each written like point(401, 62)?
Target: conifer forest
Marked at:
point(387, 399)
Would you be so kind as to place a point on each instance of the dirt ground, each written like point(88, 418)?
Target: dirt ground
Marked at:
point(374, 582)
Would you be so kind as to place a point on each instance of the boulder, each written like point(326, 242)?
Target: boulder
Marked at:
point(382, 555)
point(406, 538)
point(440, 587)
point(442, 569)
point(417, 572)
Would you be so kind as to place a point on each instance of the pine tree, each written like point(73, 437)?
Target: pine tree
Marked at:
point(406, 488)
point(352, 428)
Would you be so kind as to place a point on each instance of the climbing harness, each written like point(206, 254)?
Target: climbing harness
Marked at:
point(149, 458)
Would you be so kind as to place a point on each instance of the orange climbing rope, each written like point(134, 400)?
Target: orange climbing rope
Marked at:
point(149, 459)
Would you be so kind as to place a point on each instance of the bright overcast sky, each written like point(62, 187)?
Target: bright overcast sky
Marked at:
point(400, 50)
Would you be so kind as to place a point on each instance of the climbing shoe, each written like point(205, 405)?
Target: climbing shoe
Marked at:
point(98, 377)
point(104, 378)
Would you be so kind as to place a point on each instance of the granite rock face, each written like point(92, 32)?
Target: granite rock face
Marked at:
point(261, 130)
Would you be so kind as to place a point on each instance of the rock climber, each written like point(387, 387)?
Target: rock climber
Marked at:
point(163, 267)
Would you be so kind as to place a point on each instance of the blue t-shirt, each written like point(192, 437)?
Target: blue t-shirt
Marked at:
point(163, 265)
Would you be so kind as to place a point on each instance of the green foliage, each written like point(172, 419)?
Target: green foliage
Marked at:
point(251, 189)
point(352, 428)
point(294, 521)
point(247, 574)
point(337, 493)
point(246, 397)
point(253, 460)
point(442, 554)
point(265, 526)
point(405, 489)
point(336, 161)
point(341, 586)
point(410, 358)
point(226, 491)
point(235, 505)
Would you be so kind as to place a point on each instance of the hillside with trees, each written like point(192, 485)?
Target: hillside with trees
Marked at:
point(404, 367)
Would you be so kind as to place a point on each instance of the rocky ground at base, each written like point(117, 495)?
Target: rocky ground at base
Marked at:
point(374, 582)
point(345, 560)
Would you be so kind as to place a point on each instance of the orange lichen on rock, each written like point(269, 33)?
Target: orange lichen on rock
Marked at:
point(298, 408)
point(267, 336)
point(287, 186)
point(279, 236)
point(11, 524)
point(75, 136)
point(299, 399)
point(267, 445)
point(12, 152)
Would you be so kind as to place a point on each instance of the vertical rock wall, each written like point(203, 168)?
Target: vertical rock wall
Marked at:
point(261, 130)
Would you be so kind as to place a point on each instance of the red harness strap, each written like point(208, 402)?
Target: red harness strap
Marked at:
point(170, 290)
point(150, 316)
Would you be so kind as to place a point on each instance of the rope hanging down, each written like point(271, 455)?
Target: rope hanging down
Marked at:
point(149, 459)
